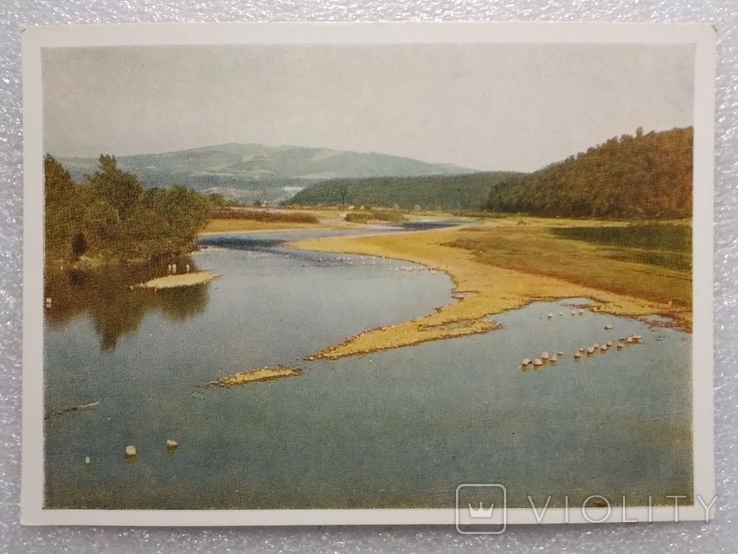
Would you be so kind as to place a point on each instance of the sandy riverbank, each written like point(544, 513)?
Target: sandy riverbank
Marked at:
point(180, 280)
point(483, 288)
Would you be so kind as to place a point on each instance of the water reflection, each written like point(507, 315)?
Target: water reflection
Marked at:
point(116, 307)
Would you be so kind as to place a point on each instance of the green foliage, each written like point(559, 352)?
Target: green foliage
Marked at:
point(648, 176)
point(358, 217)
point(111, 217)
point(663, 245)
point(392, 216)
point(663, 237)
point(263, 215)
point(450, 192)
point(121, 190)
point(63, 211)
point(185, 211)
point(217, 200)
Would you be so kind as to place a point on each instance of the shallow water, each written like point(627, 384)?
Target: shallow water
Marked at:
point(392, 429)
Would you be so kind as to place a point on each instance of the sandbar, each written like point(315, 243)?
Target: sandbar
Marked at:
point(179, 280)
point(256, 375)
point(481, 289)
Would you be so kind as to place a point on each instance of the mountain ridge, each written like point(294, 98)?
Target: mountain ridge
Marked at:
point(253, 171)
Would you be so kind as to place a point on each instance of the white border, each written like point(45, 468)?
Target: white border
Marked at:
point(36, 38)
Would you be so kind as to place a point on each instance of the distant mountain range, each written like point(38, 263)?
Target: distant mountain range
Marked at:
point(249, 172)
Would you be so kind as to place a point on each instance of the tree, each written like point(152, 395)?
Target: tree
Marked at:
point(59, 188)
point(62, 212)
point(121, 189)
point(186, 211)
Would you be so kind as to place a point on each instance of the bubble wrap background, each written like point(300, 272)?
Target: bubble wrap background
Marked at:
point(718, 536)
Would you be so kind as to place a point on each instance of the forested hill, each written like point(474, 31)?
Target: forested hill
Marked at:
point(431, 192)
point(643, 176)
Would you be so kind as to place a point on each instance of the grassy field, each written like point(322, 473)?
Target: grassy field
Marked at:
point(668, 245)
point(500, 265)
point(591, 261)
point(270, 216)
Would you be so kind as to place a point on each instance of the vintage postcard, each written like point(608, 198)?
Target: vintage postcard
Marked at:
point(368, 273)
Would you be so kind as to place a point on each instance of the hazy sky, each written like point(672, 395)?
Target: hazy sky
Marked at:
point(484, 106)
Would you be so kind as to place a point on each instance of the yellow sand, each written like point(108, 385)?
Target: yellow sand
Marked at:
point(180, 280)
point(263, 374)
point(495, 289)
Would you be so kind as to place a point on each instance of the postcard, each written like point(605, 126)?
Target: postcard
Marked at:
point(368, 273)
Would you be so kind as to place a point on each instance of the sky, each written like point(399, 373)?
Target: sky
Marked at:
point(513, 107)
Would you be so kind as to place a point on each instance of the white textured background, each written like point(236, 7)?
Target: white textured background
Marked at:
point(718, 536)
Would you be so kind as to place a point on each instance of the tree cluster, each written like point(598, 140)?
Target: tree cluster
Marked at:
point(646, 176)
point(431, 192)
point(110, 216)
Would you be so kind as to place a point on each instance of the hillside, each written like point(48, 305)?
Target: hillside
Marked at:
point(648, 176)
point(449, 192)
point(249, 172)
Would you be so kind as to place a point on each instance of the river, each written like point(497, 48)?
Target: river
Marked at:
point(401, 428)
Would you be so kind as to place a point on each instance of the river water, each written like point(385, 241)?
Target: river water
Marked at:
point(401, 428)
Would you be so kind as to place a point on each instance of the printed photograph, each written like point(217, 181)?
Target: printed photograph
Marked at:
point(341, 276)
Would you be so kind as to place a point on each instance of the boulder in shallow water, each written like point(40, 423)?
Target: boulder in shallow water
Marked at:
point(131, 451)
point(172, 444)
